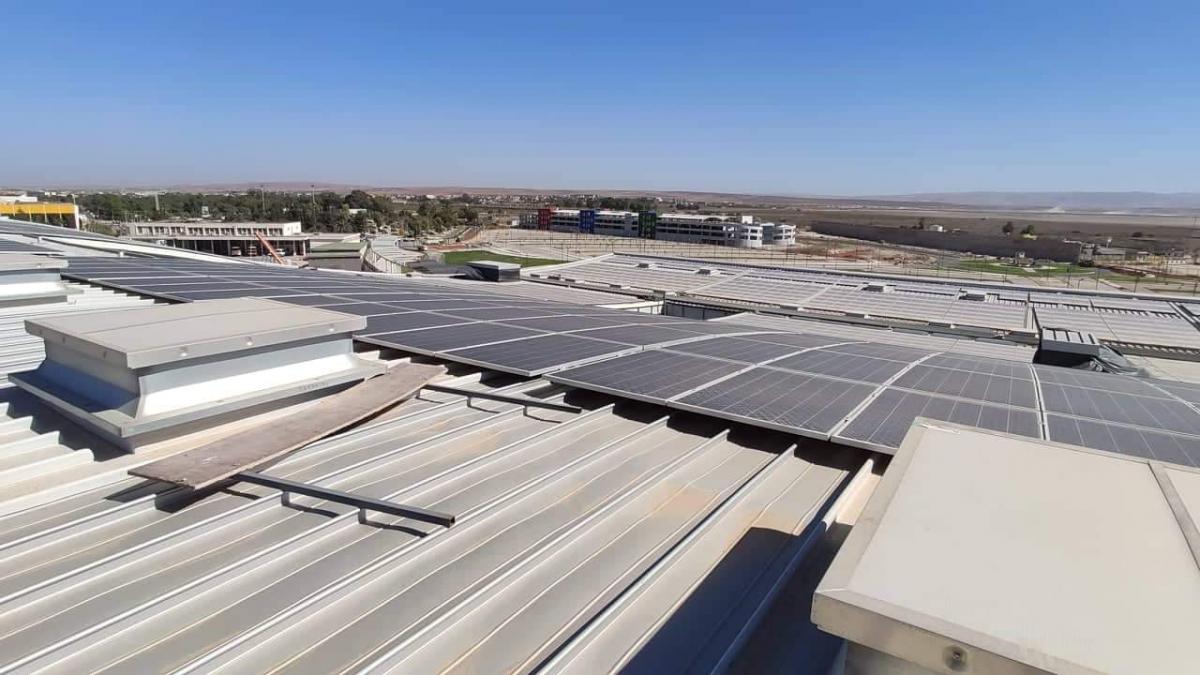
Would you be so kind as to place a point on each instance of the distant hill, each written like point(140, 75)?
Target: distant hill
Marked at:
point(1067, 201)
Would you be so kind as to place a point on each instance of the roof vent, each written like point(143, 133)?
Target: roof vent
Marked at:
point(143, 375)
point(493, 270)
point(1068, 341)
point(709, 272)
point(876, 287)
point(978, 296)
point(645, 265)
point(30, 280)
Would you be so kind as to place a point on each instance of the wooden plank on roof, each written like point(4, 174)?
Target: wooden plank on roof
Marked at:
point(208, 464)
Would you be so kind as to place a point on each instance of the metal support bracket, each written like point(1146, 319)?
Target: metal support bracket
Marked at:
point(364, 504)
point(527, 401)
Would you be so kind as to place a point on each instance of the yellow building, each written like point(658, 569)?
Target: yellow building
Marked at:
point(42, 212)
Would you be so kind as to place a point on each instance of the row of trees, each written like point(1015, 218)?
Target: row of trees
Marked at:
point(357, 211)
point(606, 203)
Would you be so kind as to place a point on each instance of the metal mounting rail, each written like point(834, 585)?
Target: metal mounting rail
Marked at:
point(526, 401)
point(363, 504)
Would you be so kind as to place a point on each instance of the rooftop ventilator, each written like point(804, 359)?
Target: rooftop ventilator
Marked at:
point(31, 280)
point(143, 375)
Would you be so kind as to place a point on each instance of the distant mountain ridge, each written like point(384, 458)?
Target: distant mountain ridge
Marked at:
point(1091, 201)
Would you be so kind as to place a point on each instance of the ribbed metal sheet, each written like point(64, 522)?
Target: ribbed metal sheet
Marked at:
point(560, 515)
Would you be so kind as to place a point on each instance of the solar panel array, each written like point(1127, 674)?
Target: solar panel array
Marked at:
point(834, 387)
point(8, 245)
point(494, 330)
point(1000, 349)
point(868, 395)
point(1127, 321)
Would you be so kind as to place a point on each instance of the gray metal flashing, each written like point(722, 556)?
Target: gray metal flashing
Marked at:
point(1185, 518)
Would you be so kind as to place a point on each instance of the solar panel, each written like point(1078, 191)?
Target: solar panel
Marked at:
point(10, 246)
point(232, 293)
point(439, 304)
point(638, 335)
point(1187, 391)
point(805, 404)
point(380, 296)
point(881, 351)
point(446, 338)
point(538, 355)
point(314, 301)
point(885, 421)
point(714, 328)
point(1148, 443)
point(653, 376)
point(970, 385)
point(565, 323)
point(844, 366)
point(501, 313)
point(199, 284)
point(358, 308)
point(797, 340)
point(981, 365)
point(1085, 379)
point(390, 323)
point(735, 349)
point(1142, 411)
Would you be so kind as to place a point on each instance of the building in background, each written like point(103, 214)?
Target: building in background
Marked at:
point(778, 234)
point(647, 224)
point(26, 207)
point(697, 228)
point(719, 230)
point(617, 223)
point(231, 239)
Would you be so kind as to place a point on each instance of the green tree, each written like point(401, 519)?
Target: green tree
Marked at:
point(1008, 228)
point(359, 199)
point(1028, 231)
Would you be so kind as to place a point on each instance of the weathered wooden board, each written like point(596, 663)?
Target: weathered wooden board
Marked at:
point(207, 464)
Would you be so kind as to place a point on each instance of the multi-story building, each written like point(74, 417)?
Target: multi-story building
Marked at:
point(565, 220)
point(234, 239)
point(528, 221)
point(778, 234)
point(617, 223)
point(749, 235)
point(697, 228)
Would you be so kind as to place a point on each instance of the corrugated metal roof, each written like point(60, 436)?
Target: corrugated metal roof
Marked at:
point(559, 516)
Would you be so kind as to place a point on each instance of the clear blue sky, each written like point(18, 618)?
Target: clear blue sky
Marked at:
point(792, 97)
